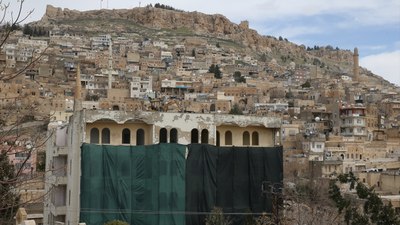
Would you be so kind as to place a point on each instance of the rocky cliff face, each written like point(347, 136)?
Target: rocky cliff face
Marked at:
point(155, 18)
point(196, 23)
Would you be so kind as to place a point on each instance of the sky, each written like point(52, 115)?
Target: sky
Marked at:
point(373, 26)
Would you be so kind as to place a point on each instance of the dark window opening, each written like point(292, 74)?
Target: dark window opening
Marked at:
point(94, 136)
point(163, 135)
point(140, 137)
point(173, 136)
point(105, 136)
point(246, 138)
point(194, 136)
point(254, 138)
point(204, 136)
point(218, 139)
point(126, 136)
point(228, 138)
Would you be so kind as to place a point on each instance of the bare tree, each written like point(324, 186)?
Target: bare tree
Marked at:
point(20, 136)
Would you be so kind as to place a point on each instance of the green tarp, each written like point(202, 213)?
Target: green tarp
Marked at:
point(153, 185)
point(231, 178)
point(142, 185)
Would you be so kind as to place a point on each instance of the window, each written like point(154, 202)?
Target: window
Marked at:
point(194, 136)
point(246, 138)
point(140, 137)
point(204, 136)
point(126, 136)
point(254, 138)
point(218, 139)
point(163, 135)
point(173, 136)
point(228, 138)
point(94, 136)
point(105, 136)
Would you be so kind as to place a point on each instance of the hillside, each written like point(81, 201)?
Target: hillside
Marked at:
point(157, 23)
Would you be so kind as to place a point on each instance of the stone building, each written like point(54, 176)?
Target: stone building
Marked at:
point(135, 128)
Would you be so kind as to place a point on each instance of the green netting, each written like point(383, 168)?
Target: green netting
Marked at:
point(230, 178)
point(142, 185)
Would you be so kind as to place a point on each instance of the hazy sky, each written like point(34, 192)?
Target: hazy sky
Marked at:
point(371, 25)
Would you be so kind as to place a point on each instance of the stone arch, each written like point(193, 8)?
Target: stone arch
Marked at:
point(212, 107)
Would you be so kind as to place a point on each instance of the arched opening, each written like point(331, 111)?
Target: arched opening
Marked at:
point(126, 136)
point(173, 136)
point(163, 135)
point(204, 136)
point(218, 139)
point(228, 138)
point(140, 137)
point(254, 138)
point(105, 136)
point(115, 107)
point(194, 136)
point(212, 107)
point(246, 138)
point(94, 136)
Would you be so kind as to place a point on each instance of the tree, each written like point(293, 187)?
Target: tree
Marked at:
point(116, 222)
point(16, 136)
point(8, 199)
point(237, 75)
point(236, 110)
point(216, 217)
point(307, 84)
point(374, 210)
point(216, 71)
point(263, 57)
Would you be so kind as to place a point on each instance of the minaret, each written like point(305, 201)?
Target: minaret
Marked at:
point(78, 90)
point(355, 65)
point(110, 65)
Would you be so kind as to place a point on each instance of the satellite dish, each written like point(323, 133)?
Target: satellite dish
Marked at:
point(317, 119)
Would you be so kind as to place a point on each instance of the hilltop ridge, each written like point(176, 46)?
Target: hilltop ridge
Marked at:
point(157, 22)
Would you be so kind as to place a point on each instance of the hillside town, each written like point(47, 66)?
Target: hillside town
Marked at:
point(330, 115)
